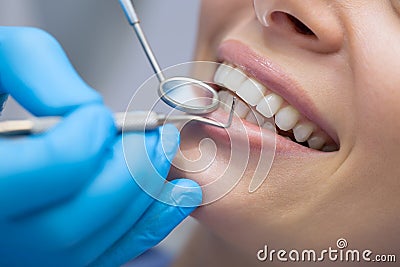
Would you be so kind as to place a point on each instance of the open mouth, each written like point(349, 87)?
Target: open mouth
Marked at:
point(261, 106)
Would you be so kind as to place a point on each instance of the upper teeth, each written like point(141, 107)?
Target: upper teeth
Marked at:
point(259, 103)
point(269, 105)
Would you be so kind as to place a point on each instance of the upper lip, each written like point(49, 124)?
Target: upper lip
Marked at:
point(273, 77)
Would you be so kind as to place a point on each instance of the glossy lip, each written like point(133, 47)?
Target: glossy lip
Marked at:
point(271, 75)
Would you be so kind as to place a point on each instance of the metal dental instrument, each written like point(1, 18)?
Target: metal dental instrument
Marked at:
point(127, 122)
point(169, 85)
point(138, 120)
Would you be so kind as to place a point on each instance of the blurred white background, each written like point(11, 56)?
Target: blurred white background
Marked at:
point(104, 50)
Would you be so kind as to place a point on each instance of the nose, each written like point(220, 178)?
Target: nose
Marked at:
point(311, 24)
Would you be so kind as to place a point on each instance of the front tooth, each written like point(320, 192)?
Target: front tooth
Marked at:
point(303, 130)
point(269, 105)
point(241, 109)
point(251, 91)
point(226, 100)
point(255, 117)
point(316, 141)
point(221, 73)
point(222, 96)
point(234, 79)
point(286, 118)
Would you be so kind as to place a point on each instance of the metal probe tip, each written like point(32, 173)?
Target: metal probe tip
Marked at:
point(215, 123)
point(229, 123)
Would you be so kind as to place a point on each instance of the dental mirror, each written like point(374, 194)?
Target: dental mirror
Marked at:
point(189, 95)
point(182, 93)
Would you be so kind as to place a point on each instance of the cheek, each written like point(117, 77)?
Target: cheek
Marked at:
point(220, 11)
point(377, 90)
point(216, 19)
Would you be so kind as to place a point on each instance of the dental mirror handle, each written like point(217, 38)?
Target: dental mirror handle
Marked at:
point(133, 121)
point(134, 20)
point(127, 122)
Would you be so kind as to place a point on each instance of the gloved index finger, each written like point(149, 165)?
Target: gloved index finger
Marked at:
point(35, 70)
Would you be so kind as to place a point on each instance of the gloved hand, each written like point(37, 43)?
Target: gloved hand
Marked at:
point(66, 196)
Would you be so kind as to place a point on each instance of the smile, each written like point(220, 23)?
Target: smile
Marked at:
point(260, 105)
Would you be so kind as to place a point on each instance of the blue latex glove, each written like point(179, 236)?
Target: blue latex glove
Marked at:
point(66, 196)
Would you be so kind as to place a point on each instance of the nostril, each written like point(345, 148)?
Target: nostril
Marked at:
point(293, 22)
point(299, 26)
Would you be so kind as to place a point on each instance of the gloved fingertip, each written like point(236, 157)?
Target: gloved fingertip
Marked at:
point(85, 133)
point(170, 137)
point(186, 193)
point(103, 120)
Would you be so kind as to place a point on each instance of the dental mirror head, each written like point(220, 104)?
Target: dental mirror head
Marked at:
point(189, 95)
point(185, 94)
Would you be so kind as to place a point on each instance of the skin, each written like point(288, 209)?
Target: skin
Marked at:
point(350, 70)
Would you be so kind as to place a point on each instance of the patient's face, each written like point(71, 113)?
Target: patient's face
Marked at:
point(330, 72)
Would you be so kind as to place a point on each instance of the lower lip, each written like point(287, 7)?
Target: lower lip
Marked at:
point(257, 137)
